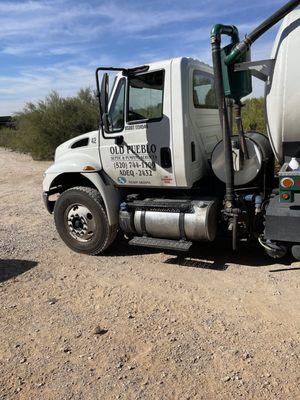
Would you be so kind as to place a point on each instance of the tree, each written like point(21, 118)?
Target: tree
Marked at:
point(253, 114)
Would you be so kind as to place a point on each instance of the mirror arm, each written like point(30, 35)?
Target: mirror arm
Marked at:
point(119, 140)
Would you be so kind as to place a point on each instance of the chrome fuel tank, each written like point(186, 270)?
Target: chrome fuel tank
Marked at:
point(198, 225)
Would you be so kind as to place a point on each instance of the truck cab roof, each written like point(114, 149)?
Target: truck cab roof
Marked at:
point(183, 61)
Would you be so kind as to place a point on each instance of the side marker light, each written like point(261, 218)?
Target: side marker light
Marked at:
point(89, 168)
point(287, 182)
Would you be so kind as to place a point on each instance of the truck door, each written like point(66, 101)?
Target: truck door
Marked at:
point(139, 111)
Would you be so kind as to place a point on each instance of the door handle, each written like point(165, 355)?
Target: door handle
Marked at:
point(193, 151)
point(165, 157)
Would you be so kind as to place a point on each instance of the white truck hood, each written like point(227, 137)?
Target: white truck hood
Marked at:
point(76, 154)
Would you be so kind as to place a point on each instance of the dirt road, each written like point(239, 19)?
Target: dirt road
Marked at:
point(137, 324)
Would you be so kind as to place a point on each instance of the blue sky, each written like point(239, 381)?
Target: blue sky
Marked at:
point(57, 44)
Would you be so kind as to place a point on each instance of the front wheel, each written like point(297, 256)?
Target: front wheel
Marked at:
point(81, 221)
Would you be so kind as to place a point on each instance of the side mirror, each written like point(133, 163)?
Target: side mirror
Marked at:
point(104, 94)
point(108, 127)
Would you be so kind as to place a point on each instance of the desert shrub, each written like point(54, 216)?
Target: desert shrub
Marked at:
point(254, 115)
point(10, 138)
point(44, 125)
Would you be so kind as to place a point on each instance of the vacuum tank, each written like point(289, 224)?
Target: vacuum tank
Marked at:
point(283, 89)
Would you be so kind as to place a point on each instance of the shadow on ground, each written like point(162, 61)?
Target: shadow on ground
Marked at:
point(216, 256)
point(12, 268)
point(285, 269)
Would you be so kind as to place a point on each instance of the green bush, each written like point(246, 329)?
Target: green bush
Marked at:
point(254, 115)
point(41, 127)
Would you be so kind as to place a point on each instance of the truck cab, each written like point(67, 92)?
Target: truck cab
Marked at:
point(168, 120)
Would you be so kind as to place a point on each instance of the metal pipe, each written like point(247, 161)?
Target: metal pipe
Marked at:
point(234, 232)
point(245, 44)
point(240, 129)
point(223, 114)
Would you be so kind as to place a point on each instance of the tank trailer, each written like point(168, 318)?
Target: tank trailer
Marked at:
point(165, 169)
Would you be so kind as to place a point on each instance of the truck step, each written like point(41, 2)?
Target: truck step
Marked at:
point(165, 244)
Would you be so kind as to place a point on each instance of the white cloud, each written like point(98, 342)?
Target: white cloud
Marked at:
point(45, 28)
point(20, 7)
point(38, 83)
point(34, 83)
point(36, 34)
point(55, 18)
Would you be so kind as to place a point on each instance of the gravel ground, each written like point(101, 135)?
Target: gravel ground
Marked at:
point(137, 324)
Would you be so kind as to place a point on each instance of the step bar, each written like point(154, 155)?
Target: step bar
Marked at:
point(164, 244)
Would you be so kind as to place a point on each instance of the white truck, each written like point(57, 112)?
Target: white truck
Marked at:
point(164, 168)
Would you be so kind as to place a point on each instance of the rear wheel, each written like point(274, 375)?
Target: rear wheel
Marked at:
point(81, 221)
point(273, 249)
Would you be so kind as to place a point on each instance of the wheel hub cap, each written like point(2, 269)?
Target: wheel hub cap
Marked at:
point(80, 222)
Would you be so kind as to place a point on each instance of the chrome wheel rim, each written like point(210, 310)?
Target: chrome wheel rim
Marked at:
point(80, 222)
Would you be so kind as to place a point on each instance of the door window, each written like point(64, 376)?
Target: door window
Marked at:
point(116, 111)
point(145, 97)
point(204, 95)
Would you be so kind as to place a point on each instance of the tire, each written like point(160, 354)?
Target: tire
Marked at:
point(296, 251)
point(81, 221)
